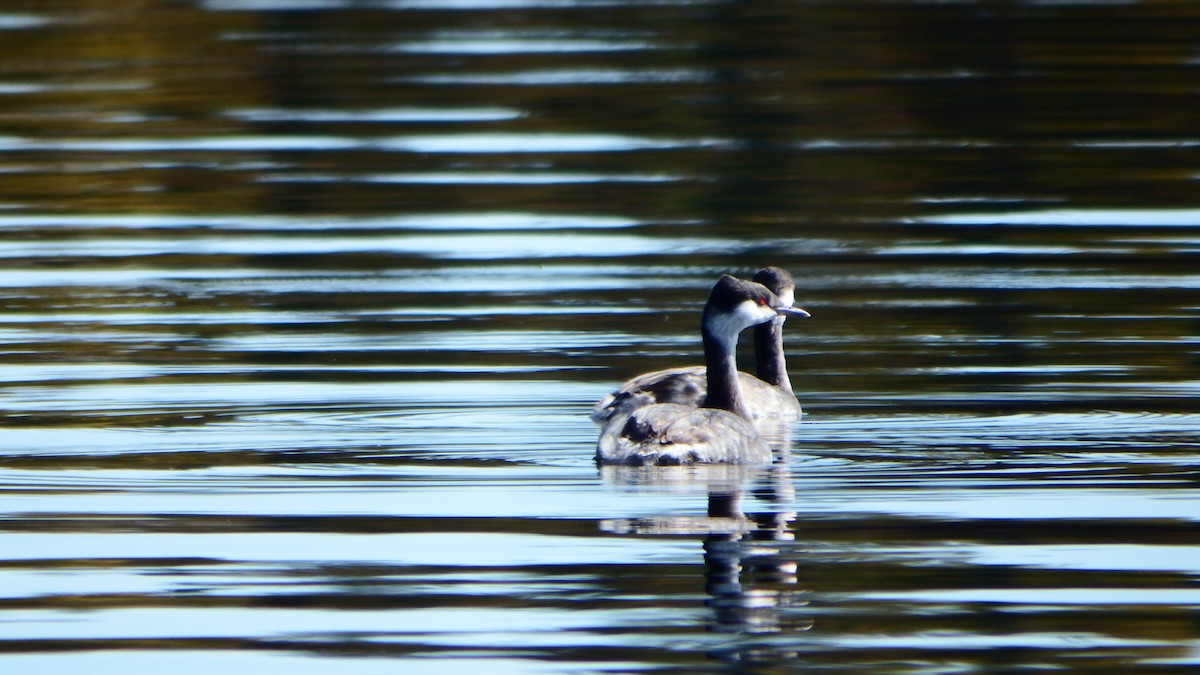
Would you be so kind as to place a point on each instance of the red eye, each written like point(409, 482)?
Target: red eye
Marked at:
point(762, 302)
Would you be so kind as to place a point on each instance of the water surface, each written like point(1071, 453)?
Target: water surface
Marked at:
point(305, 305)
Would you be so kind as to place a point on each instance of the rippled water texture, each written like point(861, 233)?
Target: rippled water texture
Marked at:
point(305, 305)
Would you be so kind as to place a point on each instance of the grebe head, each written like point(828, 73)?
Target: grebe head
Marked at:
point(778, 281)
point(734, 305)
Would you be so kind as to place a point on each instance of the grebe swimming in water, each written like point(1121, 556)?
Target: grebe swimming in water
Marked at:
point(769, 362)
point(719, 431)
point(769, 398)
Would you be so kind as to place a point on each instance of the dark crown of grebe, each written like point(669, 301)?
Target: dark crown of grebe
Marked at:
point(779, 281)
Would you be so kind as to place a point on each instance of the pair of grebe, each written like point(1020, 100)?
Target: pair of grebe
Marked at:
point(710, 413)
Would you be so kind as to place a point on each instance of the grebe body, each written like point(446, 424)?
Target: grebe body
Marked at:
point(719, 430)
point(769, 399)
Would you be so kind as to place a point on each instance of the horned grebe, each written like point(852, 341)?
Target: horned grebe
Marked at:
point(720, 429)
point(769, 362)
point(768, 397)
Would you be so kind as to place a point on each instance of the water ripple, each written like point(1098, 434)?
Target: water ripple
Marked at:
point(476, 178)
point(440, 222)
point(23, 21)
point(440, 5)
point(492, 43)
point(499, 246)
point(560, 77)
point(1185, 218)
point(381, 115)
point(477, 143)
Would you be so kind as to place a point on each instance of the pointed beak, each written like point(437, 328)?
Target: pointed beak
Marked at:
point(792, 311)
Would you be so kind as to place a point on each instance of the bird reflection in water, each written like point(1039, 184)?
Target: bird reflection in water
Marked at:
point(750, 580)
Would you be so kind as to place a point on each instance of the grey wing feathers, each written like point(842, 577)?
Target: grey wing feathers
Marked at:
point(687, 387)
point(684, 386)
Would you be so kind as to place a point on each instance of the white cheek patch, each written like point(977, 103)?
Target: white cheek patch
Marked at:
point(726, 327)
point(788, 297)
point(751, 313)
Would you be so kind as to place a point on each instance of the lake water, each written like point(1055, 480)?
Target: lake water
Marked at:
point(305, 304)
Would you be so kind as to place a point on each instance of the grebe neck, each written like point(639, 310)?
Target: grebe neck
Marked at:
point(769, 362)
point(721, 366)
